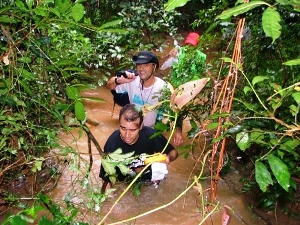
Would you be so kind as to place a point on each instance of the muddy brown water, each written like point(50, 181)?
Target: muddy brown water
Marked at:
point(187, 209)
point(171, 203)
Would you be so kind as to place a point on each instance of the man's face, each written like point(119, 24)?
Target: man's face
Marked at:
point(145, 70)
point(129, 131)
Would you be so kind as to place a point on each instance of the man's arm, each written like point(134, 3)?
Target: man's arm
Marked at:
point(113, 82)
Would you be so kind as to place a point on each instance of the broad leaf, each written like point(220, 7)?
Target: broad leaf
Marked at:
point(240, 9)
point(123, 168)
point(172, 4)
point(247, 89)
point(280, 171)
point(296, 96)
point(80, 112)
point(262, 176)
point(258, 79)
point(108, 167)
point(243, 141)
point(271, 23)
point(293, 62)
point(73, 93)
point(294, 3)
point(77, 12)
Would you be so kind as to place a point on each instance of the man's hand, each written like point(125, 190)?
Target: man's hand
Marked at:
point(178, 137)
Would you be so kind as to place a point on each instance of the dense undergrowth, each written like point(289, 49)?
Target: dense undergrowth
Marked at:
point(51, 51)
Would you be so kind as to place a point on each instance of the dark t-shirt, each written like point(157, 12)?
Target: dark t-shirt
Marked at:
point(144, 144)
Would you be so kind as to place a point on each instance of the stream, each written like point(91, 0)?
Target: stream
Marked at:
point(185, 209)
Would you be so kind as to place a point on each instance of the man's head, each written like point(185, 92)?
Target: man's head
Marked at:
point(131, 122)
point(146, 64)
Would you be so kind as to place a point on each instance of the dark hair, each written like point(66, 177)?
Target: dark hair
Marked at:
point(131, 113)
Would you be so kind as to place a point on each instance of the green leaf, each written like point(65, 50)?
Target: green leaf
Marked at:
point(217, 115)
point(62, 6)
point(235, 129)
point(73, 93)
point(80, 112)
point(108, 167)
point(18, 220)
point(271, 23)
point(296, 96)
point(55, 12)
point(20, 5)
point(29, 3)
point(240, 9)
point(262, 176)
point(292, 62)
point(110, 24)
point(24, 59)
point(26, 74)
point(7, 19)
point(123, 168)
point(247, 89)
point(280, 171)
point(77, 12)
point(172, 4)
point(26, 88)
point(294, 3)
point(37, 165)
point(259, 79)
point(226, 59)
point(243, 141)
point(212, 126)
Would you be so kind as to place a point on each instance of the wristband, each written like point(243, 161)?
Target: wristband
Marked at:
point(116, 80)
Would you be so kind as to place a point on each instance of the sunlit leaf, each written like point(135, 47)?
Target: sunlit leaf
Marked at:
point(212, 126)
point(262, 176)
point(294, 3)
point(296, 96)
point(77, 12)
point(243, 141)
point(292, 62)
point(72, 92)
point(240, 9)
point(80, 112)
point(24, 59)
point(259, 79)
point(123, 168)
point(108, 167)
point(7, 19)
point(110, 24)
point(280, 171)
point(172, 4)
point(20, 5)
point(55, 11)
point(271, 23)
point(18, 220)
point(226, 59)
point(247, 89)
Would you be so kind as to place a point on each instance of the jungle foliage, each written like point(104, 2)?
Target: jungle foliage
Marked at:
point(51, 50)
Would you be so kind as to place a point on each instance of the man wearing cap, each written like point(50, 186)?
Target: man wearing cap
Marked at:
point(143, 89)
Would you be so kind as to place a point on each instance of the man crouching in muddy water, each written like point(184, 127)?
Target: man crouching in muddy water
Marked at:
point(133, 136)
